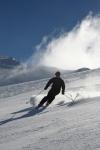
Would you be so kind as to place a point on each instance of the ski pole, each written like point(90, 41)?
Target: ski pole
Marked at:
point(38, 93)
point(69, 97)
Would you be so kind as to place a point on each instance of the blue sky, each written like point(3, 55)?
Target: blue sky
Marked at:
point(23, 23)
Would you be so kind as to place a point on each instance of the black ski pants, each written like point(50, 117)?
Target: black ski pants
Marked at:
point(49, 98)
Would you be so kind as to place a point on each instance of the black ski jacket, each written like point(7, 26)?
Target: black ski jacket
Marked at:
point(57, 84)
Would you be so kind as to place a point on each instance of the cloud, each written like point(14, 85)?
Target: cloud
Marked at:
point(77, 48)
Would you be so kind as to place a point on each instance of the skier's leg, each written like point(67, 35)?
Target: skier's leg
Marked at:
point(42, 101)
point(50, 99)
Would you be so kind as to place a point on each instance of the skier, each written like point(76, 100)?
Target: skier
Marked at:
point(57, 85)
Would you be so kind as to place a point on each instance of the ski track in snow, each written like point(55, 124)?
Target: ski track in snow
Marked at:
point(61, 126)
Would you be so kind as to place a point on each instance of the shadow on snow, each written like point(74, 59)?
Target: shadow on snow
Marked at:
point(30, 112)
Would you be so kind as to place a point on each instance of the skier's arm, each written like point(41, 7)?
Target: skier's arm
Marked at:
point(48, 84)
point(63, 87)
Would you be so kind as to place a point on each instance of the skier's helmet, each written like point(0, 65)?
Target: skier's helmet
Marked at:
point(57, 73)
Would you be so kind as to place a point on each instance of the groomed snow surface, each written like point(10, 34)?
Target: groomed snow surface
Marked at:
point(61, 126)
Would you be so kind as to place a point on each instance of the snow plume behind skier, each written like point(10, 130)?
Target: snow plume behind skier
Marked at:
point(57, 84)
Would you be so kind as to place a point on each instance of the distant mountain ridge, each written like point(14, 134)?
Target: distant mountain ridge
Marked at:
point(14, 72)
point(8, 62)
point(82, 69)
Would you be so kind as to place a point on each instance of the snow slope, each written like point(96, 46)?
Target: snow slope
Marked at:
point(62, 126)
point(25, 73)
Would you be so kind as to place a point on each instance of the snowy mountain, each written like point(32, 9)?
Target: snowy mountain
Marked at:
point(24, 74)
point(82, 69)
point(8, 62)
point(61, 126)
